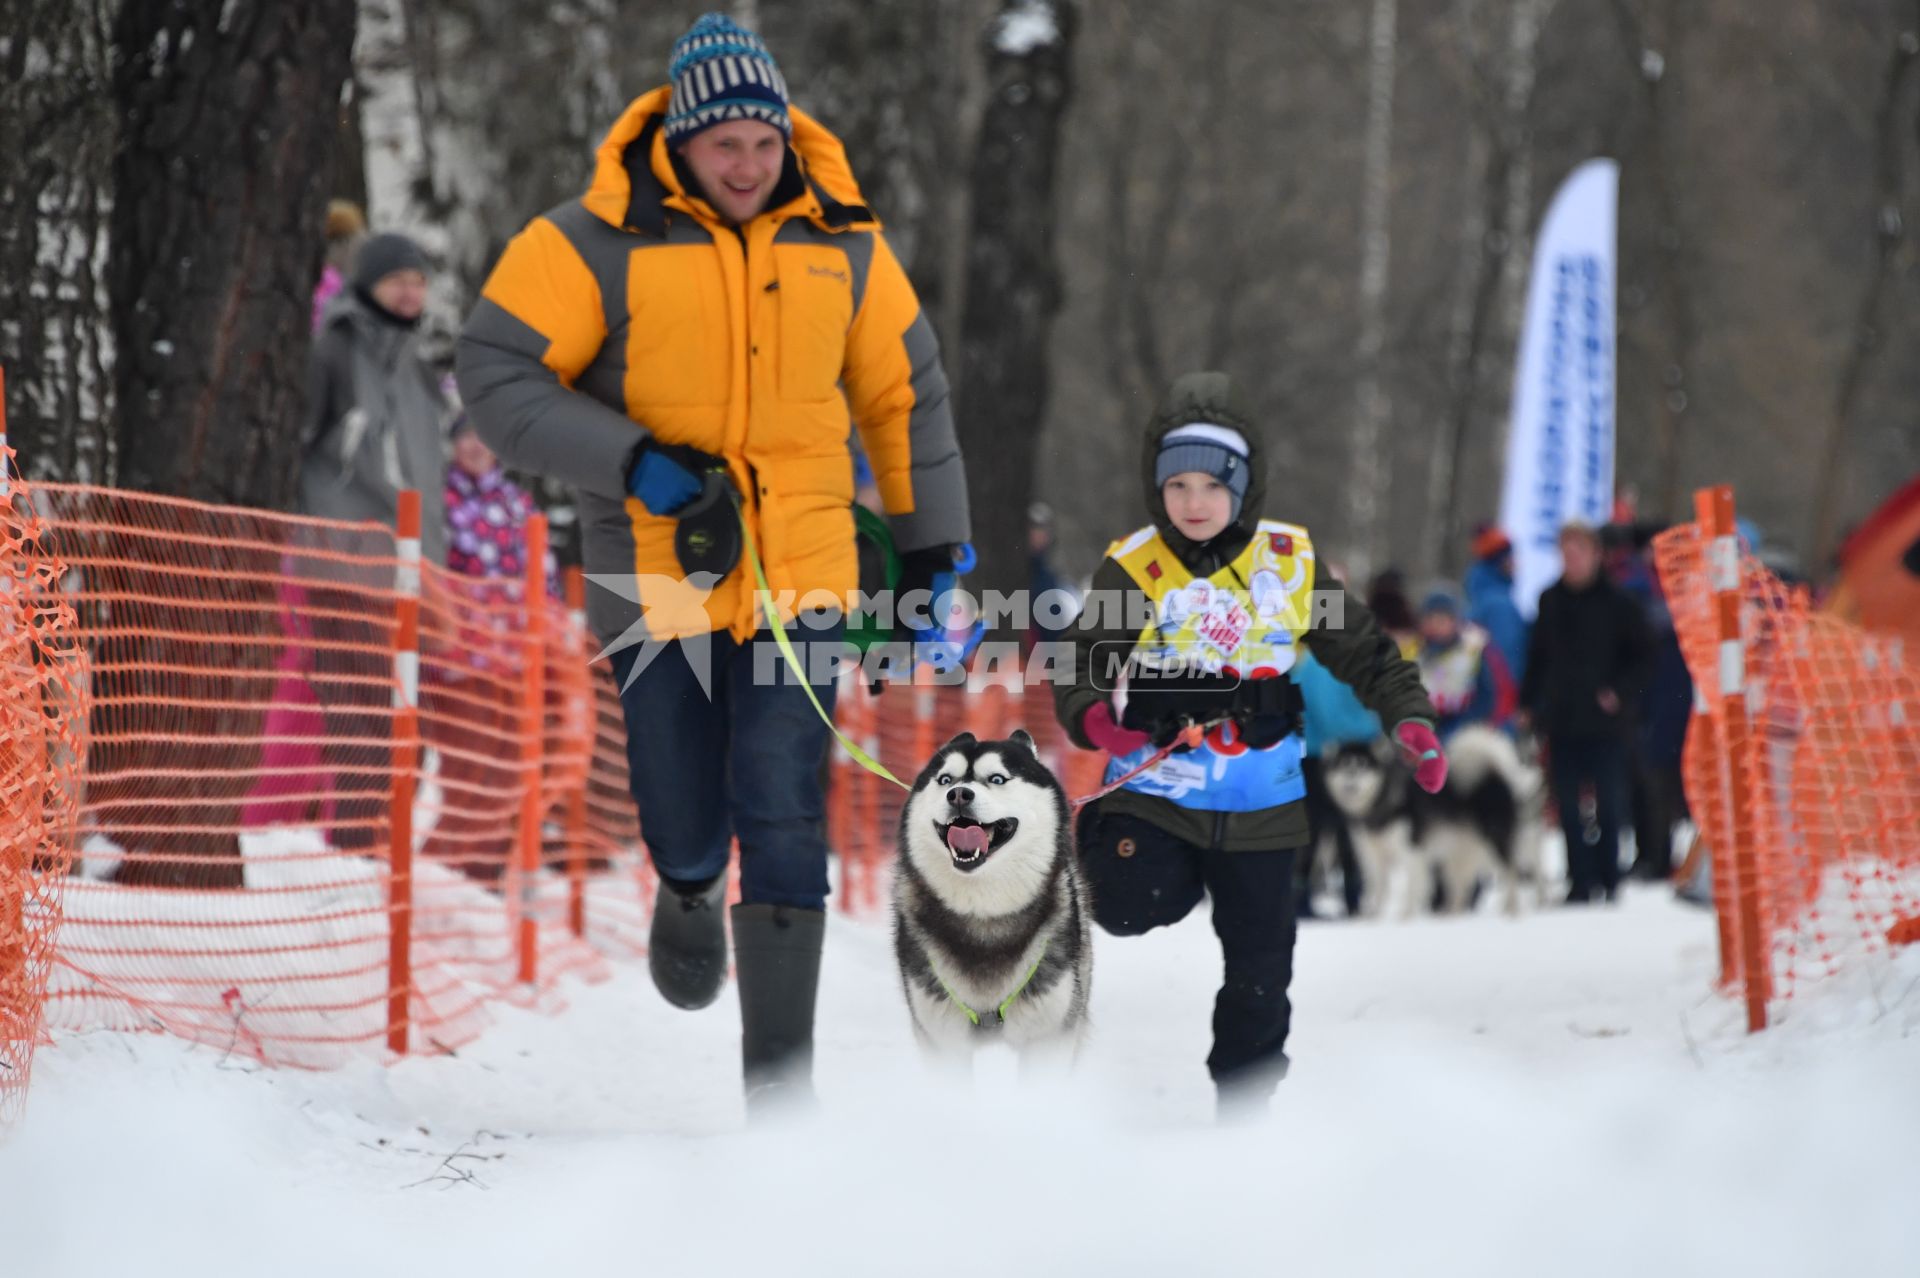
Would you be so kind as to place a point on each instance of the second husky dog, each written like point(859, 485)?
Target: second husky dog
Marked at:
point(989, 916)
point(1485, 823)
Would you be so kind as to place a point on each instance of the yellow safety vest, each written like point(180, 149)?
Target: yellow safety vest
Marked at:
point(1245, 620)
point(1453, 675)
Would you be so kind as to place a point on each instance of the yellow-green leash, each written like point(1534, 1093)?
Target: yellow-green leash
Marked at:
point(785, 645)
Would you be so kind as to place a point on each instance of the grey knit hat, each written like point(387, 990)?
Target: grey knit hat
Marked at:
point(381, 255)
point(1220, 451)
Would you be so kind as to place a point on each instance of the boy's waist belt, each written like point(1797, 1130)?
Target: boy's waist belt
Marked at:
point(1153, 701)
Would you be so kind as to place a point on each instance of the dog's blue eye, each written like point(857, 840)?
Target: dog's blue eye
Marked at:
point(943, 779)
point(996, 780)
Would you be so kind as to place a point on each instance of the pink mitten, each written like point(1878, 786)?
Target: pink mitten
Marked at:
point(1421, 749)
point(1108, 735)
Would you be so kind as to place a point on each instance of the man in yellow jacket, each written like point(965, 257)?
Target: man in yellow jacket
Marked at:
point(721, 300)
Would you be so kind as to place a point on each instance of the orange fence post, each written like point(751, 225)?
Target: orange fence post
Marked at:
point(1710, 826)
point(1713, 820)
point(577, 793)
point(406, 750)
point(1724, 578)
point(533, 704)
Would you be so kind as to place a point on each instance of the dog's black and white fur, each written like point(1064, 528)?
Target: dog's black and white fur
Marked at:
point(987, 891)
point(1486, 822)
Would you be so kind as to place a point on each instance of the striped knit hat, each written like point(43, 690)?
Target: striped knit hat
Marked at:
point(721, 71)
point(1220, 451)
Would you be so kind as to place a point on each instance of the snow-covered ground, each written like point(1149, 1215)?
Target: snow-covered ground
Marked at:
point(1558, 1094)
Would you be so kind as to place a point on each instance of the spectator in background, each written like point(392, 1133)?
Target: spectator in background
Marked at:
point(1586, 667)
point(375, 411)
point(487, 514)
point(1046, 624)
point(1490, 598)
point(374, 428)
point(1660, 798)
point(469, 702)
point(1387, 601)
point(1465, 675)
point(346, 227)
point(292, 780)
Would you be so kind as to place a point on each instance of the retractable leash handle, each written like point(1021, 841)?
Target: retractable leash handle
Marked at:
point(708, 535)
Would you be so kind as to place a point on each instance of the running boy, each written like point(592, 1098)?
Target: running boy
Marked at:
point(1229, 595)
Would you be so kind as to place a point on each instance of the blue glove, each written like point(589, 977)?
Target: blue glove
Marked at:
point(665, 477)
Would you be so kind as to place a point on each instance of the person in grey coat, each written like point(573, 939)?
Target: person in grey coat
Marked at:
point(374, 428)
point(375, 413)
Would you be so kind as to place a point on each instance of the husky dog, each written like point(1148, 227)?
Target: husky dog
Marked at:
point(989, 911)
point(1485, 822)
point(1370, 791)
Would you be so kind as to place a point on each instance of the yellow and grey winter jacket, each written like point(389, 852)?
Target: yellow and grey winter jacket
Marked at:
point(637, 310)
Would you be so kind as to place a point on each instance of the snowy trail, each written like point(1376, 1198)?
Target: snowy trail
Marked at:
point(1553, 1094)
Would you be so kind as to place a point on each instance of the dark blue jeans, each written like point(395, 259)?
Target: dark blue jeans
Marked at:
point(744, 762)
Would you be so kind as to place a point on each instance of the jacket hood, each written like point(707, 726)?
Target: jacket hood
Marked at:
point(635, 182)
point(1206, 397)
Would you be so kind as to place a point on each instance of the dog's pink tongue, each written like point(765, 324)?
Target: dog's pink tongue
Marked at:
point(967, 838)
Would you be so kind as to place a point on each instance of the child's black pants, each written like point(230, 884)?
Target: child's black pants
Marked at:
point(1142, 877)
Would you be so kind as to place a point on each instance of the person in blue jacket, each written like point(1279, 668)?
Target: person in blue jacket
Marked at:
point(1490, 603)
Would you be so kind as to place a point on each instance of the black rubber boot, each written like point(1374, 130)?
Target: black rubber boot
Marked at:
point(687, 946)
point(776, 956)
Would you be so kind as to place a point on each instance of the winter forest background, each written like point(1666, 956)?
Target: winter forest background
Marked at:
point(1331, 198)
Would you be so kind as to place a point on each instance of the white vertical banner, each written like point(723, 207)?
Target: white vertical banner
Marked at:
point(1560, 436)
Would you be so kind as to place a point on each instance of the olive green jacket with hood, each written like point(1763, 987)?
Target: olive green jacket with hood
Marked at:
point(1358, 652)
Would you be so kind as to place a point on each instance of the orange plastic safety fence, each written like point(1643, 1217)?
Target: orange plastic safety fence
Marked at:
point(603, 830)
point(43, 705)
point(250, 701)
point(236, 884)
point(1832, 771)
